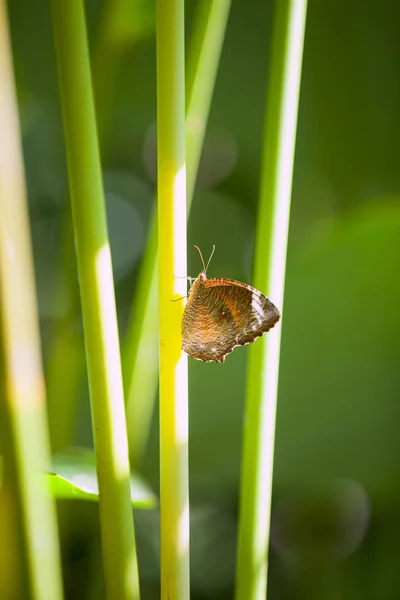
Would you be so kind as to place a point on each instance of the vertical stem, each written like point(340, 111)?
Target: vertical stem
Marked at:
point(174, 502)
point(28, 453)
point(98, 302)
point(141, 345)
point(66, 365)
point(269, 275)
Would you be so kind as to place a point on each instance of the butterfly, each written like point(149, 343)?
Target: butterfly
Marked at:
point(221, 314)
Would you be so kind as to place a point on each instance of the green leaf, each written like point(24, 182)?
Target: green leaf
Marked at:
point(74, 477)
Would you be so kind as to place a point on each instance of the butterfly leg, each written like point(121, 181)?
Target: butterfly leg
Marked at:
point(188, 278)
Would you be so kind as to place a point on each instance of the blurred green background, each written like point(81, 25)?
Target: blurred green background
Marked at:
point(336, 507)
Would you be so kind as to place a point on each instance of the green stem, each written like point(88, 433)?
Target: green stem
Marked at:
point(174, 473)
point(140, 353)
point(27, 447)
point(269, 275)
point(98, 302)
point(66, 366)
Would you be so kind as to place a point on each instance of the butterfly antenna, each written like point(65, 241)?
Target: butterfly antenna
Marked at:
point(209, 260)
point(201, 256)
point(202, 259)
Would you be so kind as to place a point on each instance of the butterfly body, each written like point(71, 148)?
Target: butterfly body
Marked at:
point(222, 314)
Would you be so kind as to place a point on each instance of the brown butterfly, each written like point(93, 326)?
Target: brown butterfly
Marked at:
point(221, 314)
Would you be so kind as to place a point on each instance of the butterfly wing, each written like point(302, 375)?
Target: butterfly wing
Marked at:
point(254, 314)
point(222, 314)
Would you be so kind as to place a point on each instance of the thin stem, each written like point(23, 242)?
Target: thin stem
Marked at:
point(66, 366)
point(174, 500)
point(141, 346)
point(28, 450)
point(269, 275)
point(98, 302)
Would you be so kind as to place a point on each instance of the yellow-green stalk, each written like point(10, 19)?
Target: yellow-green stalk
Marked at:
point(27, 452)
point(98, 302)
point(140, 355)
point(174, 496)
point(269, 276)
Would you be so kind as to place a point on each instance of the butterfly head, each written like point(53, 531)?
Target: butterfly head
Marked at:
point(194, 283)
point(202, 276)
